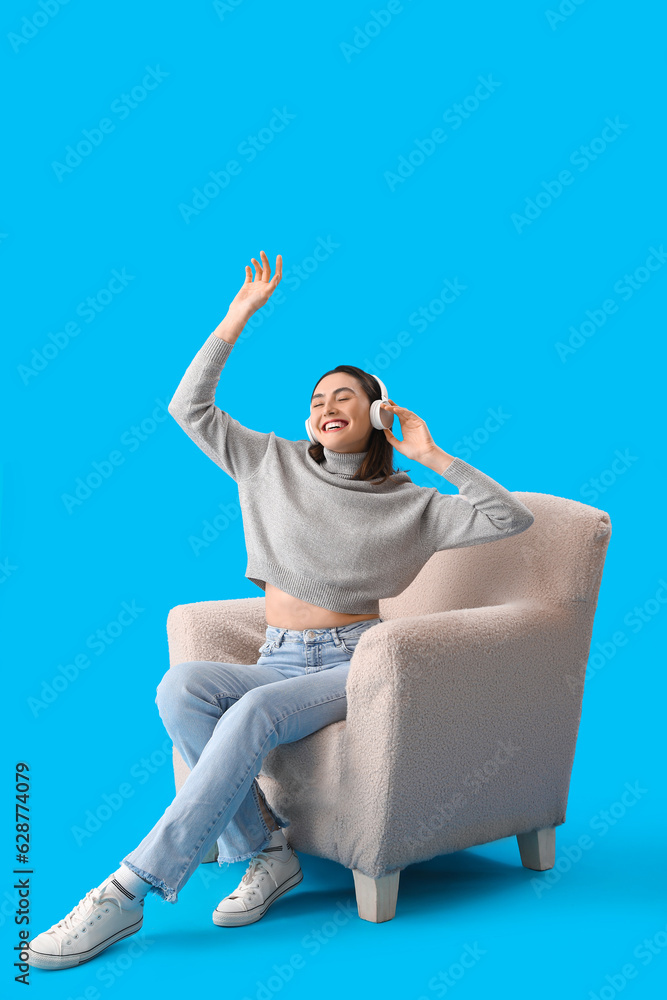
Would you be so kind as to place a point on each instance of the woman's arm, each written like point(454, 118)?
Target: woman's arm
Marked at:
point(482, 512)
point(238, 450)
point(485, 512)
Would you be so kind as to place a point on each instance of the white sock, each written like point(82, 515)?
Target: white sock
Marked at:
point(128, 887)
point(278, 845)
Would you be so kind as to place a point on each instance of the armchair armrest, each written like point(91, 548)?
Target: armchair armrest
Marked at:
point(461, 728)
point(227, 631)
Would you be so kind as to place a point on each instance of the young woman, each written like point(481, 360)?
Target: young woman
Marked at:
point(330, 529)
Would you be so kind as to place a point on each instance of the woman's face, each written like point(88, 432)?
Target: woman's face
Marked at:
point(340, 397)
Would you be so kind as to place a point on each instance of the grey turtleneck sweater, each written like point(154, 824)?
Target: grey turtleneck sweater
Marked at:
point(315, 533)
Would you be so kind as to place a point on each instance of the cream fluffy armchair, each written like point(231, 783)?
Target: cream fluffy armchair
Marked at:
point(463, 706)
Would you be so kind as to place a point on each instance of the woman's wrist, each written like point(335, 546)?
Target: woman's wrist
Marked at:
point(437, 460)
point(232, 325)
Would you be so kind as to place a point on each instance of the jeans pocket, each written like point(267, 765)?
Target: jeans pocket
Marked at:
point(351, 641)
point(267, 648)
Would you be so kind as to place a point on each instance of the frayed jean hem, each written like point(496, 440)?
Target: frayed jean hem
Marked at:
point(281, 821)
point(243, 857)
point(159, 887)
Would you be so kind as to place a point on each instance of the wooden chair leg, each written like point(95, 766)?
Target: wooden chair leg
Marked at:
point(376, 897)
point(538, 848)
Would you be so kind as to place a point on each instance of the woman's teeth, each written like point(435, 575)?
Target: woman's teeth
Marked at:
point(340, 428)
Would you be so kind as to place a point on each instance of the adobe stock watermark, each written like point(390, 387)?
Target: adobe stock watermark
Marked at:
point(311, 943)
point(248, 148)
point(472, 442)
point(420, 319)
point(110, 802)
point(581, 158)
point(31, 26)
point(7, 569)
point(606, 650)
point(564, 11)
point(88, 310)
point(223, 7)
point(473, 783)
point(122, 107)
point(625, 287)
point(97, 642)
point(293, 277)
point(644, 952)
point(110, 970)
point(445, 979)
point(229, 513)
point(454, 116)
point(595, 487)
point(377, 21)
point(296, 274)
point(601, 823)
point(104, 468)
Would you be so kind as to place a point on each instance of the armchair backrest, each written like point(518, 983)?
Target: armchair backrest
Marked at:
point(558, 560)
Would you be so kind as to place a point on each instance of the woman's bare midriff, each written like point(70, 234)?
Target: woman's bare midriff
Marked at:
point(284, 611)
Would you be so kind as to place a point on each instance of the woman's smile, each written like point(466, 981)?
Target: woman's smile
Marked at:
point(329, 427)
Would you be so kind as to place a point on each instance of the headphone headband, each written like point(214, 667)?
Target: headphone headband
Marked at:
point(383, 388)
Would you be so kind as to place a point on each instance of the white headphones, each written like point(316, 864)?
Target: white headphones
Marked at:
point(379, 418)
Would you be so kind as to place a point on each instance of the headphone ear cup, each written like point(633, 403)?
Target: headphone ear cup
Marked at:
point(311, 436)
point(380, 418)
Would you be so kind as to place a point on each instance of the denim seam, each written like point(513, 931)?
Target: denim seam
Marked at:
point(255, 795)
point(227, 697)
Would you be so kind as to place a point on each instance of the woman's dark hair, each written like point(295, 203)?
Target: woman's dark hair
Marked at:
point(378, 462)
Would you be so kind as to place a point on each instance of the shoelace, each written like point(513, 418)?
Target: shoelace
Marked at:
point(254, 871)
point(79, 915)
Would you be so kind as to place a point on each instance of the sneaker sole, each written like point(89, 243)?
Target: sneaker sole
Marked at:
point(244, 917)
point(41, 961)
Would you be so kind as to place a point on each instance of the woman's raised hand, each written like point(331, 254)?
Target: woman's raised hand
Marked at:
point(254, 292)
point(417, 442)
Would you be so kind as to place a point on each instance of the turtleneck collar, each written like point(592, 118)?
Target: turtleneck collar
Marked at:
point(342, 463)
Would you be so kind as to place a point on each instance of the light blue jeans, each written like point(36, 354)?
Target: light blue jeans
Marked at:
point(224, 718)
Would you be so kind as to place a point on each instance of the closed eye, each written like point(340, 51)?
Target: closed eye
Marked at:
point(322, 404)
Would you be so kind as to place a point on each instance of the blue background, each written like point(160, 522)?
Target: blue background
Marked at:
point(328, 176)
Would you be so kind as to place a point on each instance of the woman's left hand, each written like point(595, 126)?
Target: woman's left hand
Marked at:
point(417, 441)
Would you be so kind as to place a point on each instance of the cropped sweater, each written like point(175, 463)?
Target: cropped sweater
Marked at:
point(317, 534)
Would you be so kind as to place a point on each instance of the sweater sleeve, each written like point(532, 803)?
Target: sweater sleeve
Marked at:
point(485, 512)
point(238, 450)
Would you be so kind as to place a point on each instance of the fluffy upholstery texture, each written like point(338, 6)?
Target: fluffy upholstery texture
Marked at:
point(463, 706)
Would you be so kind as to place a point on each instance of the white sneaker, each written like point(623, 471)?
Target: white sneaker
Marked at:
point(270, 874)
point(97, 921)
